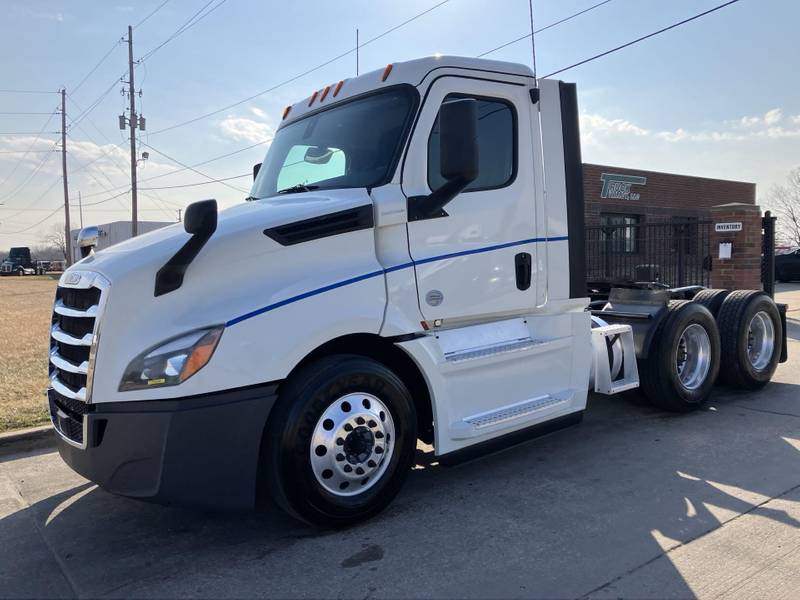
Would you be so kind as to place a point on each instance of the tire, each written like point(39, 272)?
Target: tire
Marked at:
point(311, 460)
point(20, 272)
point(711, 299)
point(688, 338)
point(748, 320)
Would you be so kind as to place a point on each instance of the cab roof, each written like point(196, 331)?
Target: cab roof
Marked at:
point(409, 72)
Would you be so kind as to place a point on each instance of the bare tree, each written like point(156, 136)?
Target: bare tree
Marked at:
point(785, 200)
point(55, 242)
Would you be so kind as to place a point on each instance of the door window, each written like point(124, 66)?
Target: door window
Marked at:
point(497, 140)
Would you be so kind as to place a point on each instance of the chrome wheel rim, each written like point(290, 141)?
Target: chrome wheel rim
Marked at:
point(760, 340)
point(352, 444)
point(693, 360)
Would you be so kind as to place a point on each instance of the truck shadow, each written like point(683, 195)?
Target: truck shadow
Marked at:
point(561, 516)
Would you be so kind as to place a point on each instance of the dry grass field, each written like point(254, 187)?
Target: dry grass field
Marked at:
point(26, 305)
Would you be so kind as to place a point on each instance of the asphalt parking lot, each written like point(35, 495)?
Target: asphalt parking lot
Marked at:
point(631, 503)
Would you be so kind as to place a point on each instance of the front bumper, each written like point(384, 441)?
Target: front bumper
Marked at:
point(199, 451)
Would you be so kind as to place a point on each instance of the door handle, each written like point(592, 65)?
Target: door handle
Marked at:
point(522, 267)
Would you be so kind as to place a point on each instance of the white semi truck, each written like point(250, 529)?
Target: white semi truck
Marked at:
point(410, 266)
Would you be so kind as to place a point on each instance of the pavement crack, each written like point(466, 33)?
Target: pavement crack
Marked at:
point(764, 410)
point(26, 506)
point(671, 549)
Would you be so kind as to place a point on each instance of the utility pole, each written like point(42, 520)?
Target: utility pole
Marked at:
point(133, 120)
point(356, 51)
point(67, 235)
point(80, 207)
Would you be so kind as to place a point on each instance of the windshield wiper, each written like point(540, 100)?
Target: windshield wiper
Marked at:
point(296, 189)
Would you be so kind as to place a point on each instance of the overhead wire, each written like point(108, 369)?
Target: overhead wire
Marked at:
point(299, 75)
point(642, 38)
point(150, 14)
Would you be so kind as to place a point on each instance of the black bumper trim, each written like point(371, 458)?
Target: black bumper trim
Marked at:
point(195, 451)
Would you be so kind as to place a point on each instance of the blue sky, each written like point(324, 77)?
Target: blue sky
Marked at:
point(717, 97)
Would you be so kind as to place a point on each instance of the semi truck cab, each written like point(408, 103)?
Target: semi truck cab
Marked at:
point(409, 266)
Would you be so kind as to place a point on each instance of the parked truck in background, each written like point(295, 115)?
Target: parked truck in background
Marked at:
point(19, 262)
point(411, 266)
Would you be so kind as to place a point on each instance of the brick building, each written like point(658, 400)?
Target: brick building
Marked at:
point(645, 225)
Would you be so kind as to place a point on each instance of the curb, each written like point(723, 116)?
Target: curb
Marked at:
point(26, 439)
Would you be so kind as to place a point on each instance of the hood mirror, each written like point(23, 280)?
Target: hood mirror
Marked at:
point(318, 155)
point(200, 221)
point(87, 240)
point(201, 218)
point(256, 169)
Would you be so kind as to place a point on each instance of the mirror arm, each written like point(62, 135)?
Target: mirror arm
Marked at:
point(432, 205)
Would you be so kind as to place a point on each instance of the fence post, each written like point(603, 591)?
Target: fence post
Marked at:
point(768, 252)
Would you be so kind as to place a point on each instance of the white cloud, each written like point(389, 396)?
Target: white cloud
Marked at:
point(244, 129)
point(773, 116)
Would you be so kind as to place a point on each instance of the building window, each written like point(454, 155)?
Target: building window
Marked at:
point(621, 232)
point(497, 137)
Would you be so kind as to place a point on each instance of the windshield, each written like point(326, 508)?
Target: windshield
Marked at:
point(353, 145)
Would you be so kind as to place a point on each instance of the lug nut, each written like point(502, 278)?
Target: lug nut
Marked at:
point(372, 423)
point(347, 468)
point(348, 427)
point(340, 457)
point(360, 420)
point(359, 471)
point(371, 464)
point(379, 435)
point(378, 450)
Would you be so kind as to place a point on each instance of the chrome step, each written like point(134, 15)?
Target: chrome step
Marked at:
point(493, 349)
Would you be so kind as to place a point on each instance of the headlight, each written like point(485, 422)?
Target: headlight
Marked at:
point(171, 362)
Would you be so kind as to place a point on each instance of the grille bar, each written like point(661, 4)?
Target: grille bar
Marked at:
point(65, 365)
point(57, 334)
point(64, 310)
point(67, 391)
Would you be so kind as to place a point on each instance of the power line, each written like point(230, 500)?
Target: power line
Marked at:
point(220, 180)
point(97, 66)
point(644, 37)
point(233, 187)
point(35, 224)
point(158, 8)
point(25, 113)
point(30, 132)
point(545, 28)
point(27, 92)
point(190, 22)
point(300, 75)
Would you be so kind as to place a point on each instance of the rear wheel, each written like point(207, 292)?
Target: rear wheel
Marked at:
point(711, 299)
point(750, 328)
point(679, 373)
point(340, 441)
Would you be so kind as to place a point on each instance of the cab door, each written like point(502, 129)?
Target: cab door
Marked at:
point(475, 259)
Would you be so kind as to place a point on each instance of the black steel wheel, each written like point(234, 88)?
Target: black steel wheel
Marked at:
point(340, 441)
point(679, 373)
point(752, 340)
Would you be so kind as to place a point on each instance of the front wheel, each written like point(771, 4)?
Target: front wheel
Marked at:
point(340, 441)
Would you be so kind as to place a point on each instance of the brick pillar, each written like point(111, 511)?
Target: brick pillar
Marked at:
point(743, 270)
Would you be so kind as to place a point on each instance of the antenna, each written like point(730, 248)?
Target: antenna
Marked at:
point(533, 44)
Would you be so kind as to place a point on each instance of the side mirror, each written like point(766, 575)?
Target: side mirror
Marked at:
point(256, 169)
point(458, 158)
point(458, 140)
point(318, 155)
point(87, 240)
point(201, 218)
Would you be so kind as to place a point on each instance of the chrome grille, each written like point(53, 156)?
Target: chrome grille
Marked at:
point(80, 298)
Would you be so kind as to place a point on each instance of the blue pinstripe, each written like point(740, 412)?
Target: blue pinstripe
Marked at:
point(422, 261)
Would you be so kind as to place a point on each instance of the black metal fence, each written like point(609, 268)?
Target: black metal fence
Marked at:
point(674, 253)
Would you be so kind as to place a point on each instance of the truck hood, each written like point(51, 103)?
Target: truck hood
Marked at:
point(239, 234)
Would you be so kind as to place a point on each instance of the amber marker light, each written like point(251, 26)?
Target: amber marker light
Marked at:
point(386, 72)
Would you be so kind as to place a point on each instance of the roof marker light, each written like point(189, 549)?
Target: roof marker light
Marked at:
point(386, 72)
point(325, 93)
point(286, 111)
point(338, 87)
point(313, 97)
